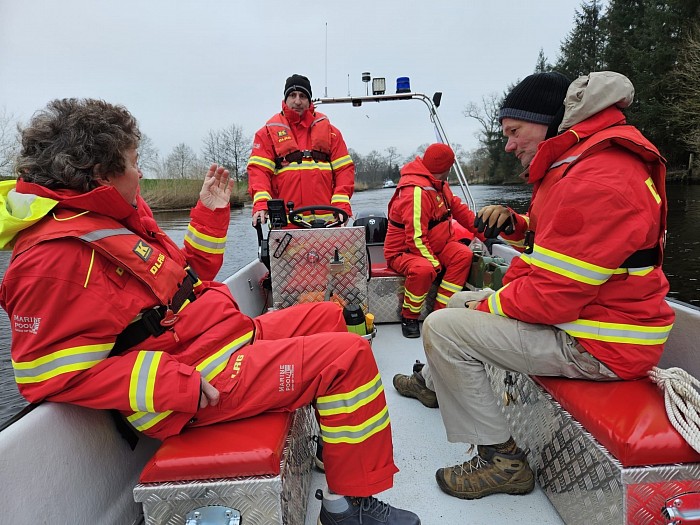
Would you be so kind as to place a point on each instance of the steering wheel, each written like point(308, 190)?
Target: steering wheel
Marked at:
point(297, 219)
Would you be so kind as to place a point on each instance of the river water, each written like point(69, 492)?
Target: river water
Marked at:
point(682, 259)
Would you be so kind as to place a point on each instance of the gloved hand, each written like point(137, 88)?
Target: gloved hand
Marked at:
point(493, 220)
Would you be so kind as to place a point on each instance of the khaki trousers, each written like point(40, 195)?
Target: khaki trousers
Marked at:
point(458, 342)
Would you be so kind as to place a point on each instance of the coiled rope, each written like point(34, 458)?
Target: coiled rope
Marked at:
point(682, 400)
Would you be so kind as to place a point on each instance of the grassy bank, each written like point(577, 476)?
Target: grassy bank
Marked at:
point(174, 194)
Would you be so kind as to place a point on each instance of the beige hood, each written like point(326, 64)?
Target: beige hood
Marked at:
point(592, 93)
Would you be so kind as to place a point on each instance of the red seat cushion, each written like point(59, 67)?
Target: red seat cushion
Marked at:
point(382, 270)
point(247, 447)
point(627, 417)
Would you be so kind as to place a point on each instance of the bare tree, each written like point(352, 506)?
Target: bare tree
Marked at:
point(9, 143)
point(182, 163)
point(149, 159)
point(229, 147)
point(490, 137)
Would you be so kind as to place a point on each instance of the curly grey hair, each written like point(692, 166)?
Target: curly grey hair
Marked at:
point(72, 142)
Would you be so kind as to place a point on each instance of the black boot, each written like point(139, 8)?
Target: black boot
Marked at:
point(410, 328)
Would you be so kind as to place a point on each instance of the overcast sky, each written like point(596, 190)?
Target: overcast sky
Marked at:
point(186, 67)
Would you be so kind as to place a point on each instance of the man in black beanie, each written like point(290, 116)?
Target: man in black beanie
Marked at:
point(586, 300)
point(299, 156)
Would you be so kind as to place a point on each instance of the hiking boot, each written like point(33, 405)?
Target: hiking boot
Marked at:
point(489, 472)
point(318, 457)
point(410, 328)
point(366, 511)
point(414, 386)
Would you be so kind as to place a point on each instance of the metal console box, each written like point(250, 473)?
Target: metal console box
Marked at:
point(262, 500)
point(303, 267)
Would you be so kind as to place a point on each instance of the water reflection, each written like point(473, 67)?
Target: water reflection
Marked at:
point(682, 256)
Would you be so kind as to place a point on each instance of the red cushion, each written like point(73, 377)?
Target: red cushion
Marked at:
point(382, 270)
point(248, 447)
point(627, 417)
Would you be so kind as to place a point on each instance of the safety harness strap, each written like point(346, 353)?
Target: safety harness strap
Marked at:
point(150, 323)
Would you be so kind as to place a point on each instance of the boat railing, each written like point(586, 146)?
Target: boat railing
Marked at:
point(432, 105)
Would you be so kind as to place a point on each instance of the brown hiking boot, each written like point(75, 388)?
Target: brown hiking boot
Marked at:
point(414, 386)
point(489, 472)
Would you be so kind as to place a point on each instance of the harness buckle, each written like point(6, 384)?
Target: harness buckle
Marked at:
point(169, 319)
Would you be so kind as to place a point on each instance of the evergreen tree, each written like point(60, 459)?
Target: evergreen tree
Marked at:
point(644, 38)
point(582, 50)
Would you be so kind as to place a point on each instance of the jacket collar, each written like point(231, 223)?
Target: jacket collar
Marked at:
point(551, 149)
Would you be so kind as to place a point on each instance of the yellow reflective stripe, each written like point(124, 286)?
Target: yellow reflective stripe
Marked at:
point(61, 362)
point(203, 242)
point(494, 302)
point(640, 272)
point(617, 332)
point(526, 218)
point(306, 165)
point(92, 261)
point(145, 420)
point(215, 363)
point(417, 228)
point(261, 195)
point(262, 162)
point(415, 298)
point(650, 184)
point(338, 197)
point(570, 267)
point(356, 433)
point(142, 383)
point(350, 401)
point(452, 287)
point(442, 298)
point(412, 308)
point(341, 162)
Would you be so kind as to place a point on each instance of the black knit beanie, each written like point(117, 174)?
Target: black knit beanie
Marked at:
point(297, 83)
point(539, 98)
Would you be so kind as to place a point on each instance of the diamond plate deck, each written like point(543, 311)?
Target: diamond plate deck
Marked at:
point(261, 500)
point(583, 481)
point(301, 271)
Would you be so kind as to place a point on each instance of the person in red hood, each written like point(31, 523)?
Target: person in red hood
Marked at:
point(421, 241)
point(299, 156)
point(585, 300)
point(107, 312)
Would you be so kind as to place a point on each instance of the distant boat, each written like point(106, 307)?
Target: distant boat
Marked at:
point(389, 184)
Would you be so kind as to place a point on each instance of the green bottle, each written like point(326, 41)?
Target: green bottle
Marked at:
point(355, 319)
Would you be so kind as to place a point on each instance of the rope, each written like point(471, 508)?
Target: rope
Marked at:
point(682, 401)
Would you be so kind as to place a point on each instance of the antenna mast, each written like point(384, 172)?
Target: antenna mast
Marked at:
point(325, 93)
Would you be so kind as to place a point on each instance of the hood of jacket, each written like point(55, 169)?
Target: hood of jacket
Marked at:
point(416, 174)
point(590, 94)
point(23, 204)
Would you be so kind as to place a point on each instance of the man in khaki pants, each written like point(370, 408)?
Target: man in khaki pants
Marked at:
point(586, 299)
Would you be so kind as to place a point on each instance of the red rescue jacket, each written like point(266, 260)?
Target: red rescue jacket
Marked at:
point(90, 268)
point(420, 215)
point(312, 181)
point(599, 197)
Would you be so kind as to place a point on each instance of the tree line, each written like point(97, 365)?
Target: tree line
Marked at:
point(655, 43)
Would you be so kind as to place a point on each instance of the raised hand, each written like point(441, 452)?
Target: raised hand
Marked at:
point(216, 189)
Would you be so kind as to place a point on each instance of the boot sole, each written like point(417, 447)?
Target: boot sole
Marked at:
point(517, 489)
